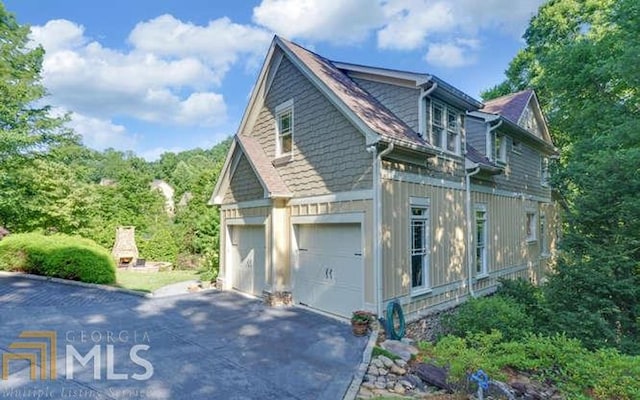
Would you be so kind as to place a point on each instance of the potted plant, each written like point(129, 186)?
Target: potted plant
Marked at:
point(360, 321)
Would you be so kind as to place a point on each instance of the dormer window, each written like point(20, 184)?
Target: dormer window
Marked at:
point(446, 124)
point(284, 129)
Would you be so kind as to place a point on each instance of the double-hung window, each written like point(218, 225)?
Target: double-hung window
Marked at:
point(419, 236)
point(544, 171)
point(500, 149)
point(284, 129)
point(481, 239)
point(532, 226)
point(446, 123)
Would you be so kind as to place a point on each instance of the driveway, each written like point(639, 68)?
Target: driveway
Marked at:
point(213, 345)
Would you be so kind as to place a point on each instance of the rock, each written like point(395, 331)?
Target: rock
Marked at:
point(377, 363)
point(368, 385)
point(382, 372)
point(406, 384)
point(408, 341)
point(401, 363)
point(368, 378)
point(373, 371)
point(414, 380)
point(386, 361)
point(397, 370)
point(433, 375)
point(402, 350)
point(381, 385)
point(392, 377)
point(398, 388)
point(390, 385)
point(365, 393)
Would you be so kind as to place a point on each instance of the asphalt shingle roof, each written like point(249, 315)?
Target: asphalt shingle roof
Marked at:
point(366, 107)
point(267, 173)
point(510, 106)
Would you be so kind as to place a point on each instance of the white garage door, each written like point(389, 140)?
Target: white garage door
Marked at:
point(247, 258)
point(328, 273)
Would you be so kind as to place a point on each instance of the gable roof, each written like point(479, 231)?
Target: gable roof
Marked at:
point(365, 107)
point(510, 106)
point(267, 174)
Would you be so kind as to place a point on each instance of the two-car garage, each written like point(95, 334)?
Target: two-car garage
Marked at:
point(327, 268)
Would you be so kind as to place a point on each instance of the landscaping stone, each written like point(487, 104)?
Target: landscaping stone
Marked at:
point(402, 350)
point(377, 363)
point(373, 371)
point(386, 361)
point(401, 363)
point(433, 375)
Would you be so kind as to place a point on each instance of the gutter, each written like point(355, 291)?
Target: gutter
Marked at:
point(377, 222)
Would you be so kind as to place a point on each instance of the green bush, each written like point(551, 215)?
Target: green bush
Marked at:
point(58, 255)
point(561, 361)
point(486, 314)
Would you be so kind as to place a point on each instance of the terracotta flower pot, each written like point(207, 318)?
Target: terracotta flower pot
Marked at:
point(359, 328)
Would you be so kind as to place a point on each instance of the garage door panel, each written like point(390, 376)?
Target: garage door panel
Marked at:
point(248, 258)
point(329, 270)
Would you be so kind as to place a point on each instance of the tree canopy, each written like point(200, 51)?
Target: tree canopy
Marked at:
point(582, 58)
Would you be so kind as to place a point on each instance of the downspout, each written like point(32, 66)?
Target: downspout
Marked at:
point(469, 231)
point(377, 222)
point(422, 121)
point(468, 176)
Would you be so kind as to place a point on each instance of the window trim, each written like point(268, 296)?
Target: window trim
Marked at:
point(531, 226)
point(544, 240)
point(500, 154)
point(421, 203)
point(485, 249)
point(283, 109)
point(544, 171)
point(444, 125)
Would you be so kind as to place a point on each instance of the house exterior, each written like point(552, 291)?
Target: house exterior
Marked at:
point(349, 186)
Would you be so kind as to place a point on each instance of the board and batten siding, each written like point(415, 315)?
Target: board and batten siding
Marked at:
point(476, 130)
point(244, 185)
point(341, 207)
point(446, 235)
point(235, 213)
point(329, 153)
point(400, 100)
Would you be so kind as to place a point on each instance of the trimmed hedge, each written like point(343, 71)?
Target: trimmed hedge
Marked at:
point(58, 255)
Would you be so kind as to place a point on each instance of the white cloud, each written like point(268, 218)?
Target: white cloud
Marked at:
point(219, 44)
point(335, 21)
point(446, 55)
point(170, 75)
point(101, 134)
point(155, 153)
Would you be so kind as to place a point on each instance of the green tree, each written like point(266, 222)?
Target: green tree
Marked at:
point(582, 58)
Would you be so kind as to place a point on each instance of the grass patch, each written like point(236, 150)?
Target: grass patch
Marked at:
point(379, 351)
point(148, 282)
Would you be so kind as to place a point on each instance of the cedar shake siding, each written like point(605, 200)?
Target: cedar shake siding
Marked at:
point(244, 185)
point(402, 101)
point(329, 154)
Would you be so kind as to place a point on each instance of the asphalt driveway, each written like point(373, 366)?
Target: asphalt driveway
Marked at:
point(213, 345)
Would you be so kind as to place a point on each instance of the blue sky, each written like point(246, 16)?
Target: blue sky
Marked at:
point(171, 75)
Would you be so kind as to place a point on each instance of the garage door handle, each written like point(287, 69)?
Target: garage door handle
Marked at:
point(357, 254)
point(303, 249)
point(326, 273)
point(331, 273)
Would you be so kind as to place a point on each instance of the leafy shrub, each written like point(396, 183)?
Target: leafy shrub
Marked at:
point(561, 361)
point(483, 315)
point(59, 256)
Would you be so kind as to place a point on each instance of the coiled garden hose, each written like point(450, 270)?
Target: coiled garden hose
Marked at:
point(394, 310)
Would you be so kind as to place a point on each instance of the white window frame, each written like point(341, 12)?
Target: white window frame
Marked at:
point(282, 110)
point(544, 241)
point(531, 225)
point(420, 203)
point(446, 129)
point(544, 171)
point(484, 252)
point(500, 152)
